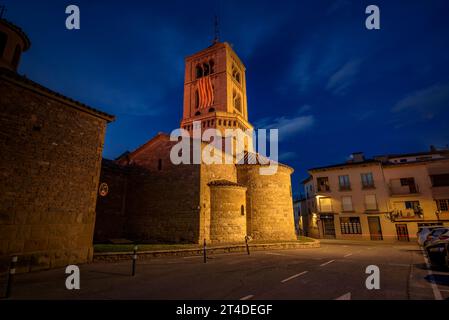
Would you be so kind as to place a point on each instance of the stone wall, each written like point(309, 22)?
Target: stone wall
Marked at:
point(228, 213)
point(162, 201)
point(111, 217)
point(49, 170)
point(210, 173)
point(269, 203)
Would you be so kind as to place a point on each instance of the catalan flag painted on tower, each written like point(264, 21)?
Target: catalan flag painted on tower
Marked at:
point(206, 92)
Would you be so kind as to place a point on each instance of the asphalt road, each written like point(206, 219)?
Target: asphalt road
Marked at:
point(334, 271)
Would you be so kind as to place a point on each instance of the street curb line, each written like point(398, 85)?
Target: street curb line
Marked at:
point(118, 256)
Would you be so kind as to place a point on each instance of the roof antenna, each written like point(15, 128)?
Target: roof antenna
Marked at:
point(2, 11)
point(216, 30)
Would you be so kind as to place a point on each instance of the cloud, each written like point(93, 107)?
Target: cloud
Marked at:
point(341, 80)
point(427, 102)
point(287, 126)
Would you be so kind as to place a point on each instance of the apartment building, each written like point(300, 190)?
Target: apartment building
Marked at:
point(385, 198)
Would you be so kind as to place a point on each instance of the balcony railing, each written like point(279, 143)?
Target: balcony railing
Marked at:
point(403, 190)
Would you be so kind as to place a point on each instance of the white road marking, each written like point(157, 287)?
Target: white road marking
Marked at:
point(247, 297)
point(346, 296)
point(348, 255)
point(294, 276)
point(275, 254)
point(326, 263)
point(345, 246)
point(436, 292)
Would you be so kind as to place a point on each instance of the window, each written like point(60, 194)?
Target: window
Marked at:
point(325, 204)
point(367, 180)
point(344, 183)
point(3, 40)
point(370, 202)
point(237, 100)
point(407, 181)
point(440, 180)
point(350, 225)
point(236, 74)
point(242, 210)
point(443, 204)
point(323, 184)
point(206, 69)
point(346, 203)
point(159, 164)
point(199, 71)
point(411, 205)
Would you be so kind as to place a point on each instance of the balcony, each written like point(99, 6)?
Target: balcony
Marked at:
point(406, 214)
point(400, 191)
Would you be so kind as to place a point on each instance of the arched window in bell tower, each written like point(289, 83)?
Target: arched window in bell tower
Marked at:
point(199, 71)
point(237, 101)
point(206, 69)
point(236, 74)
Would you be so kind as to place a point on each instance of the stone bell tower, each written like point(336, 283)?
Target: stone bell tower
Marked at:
point(215, 90)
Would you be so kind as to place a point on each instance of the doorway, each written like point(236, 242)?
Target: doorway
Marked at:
point(402, 232)
point(327, 222)
point(375, 229)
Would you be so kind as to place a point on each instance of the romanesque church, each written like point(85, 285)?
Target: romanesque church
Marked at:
point(151, 199)
point(57, 195)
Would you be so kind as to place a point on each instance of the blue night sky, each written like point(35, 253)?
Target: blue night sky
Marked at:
point(314, 71)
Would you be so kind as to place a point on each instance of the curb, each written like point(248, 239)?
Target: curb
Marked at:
point(118, 256)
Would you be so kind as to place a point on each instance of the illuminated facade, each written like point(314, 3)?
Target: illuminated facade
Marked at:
point(152, 199)
point(384, 198)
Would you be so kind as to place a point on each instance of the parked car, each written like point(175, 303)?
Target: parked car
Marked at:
point(438, 251)
point(434, 234)
point(423, 232)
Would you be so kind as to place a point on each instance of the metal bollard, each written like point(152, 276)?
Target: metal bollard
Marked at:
point(204, 250)
point(134, 260)
point(11, 273)
point(247, 246)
